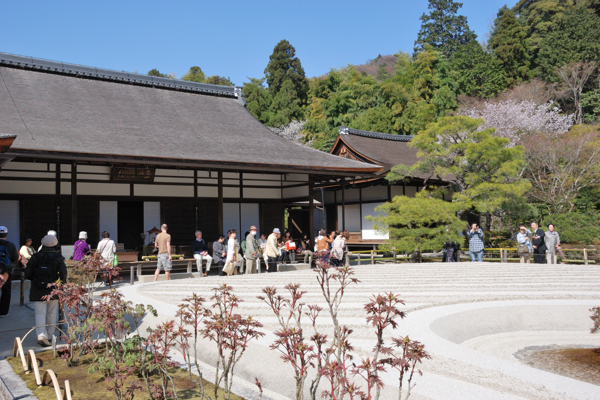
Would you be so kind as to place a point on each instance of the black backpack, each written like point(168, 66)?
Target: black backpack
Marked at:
point(4, 255)
point(45, 272)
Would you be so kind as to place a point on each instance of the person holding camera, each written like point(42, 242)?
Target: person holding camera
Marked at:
point(476, 245)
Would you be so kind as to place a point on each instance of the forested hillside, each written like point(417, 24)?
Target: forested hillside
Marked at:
point(543, 50)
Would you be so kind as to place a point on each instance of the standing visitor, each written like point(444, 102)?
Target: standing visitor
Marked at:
point(164, 261)
point(8, 256)
point(552, 242)
point(290, 247)
point(262, 242)
point(242, 259)
point(232, 253)
point(323, 246)
point(107, 249)
point(220, 253)
point(281, 248)
point(81, 248)
point(306, 250)
point(539, 247)
point(53, 233)
point(252, 251)
point(272, 250)
point(26, 251)
point(43, 269)
point(476, 245)
point(200, 251)
point(525, 248)
point(337, 250)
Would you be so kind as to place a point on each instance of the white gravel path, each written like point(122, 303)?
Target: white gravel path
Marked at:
point(471, 317)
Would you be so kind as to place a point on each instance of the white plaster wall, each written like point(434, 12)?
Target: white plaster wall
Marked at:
point(189, 181)
point(296, 177)
point(32, 174)
point(250, 216)
point(261, 183)
point(397, 191)
point(163, 190)
point(65, 188)
point(367, 226)
point(301, 191)
point(174, 172)
point(352, 218)
point(151, 217)
point(231, 192)
point(102, 189)
point(411, 191)
point(350, 195)
point(266, 177)
point(231, 218)
point(30, 166)
point(208, 191)
point(93, 168)
point(109, 219)
point(260, 193)
point(9, 217)
point(21, 187)
point(375, 193)
point(231, 175)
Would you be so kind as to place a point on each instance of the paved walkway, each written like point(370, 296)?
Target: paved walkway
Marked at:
point(472, 318)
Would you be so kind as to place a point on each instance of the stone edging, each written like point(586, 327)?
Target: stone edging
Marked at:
point(12, 387)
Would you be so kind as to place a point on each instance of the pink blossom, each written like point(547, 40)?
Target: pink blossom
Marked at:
point(516, 120)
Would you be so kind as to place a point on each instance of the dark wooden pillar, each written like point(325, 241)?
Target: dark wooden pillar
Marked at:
point(196, 199)
point(311, 209)
point(343, 203)
point(220, 206)
point(74, 201)
point(360, 209)
point(57, 201)
point(389, 190)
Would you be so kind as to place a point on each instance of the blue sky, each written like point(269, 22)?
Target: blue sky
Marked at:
point(229, 38)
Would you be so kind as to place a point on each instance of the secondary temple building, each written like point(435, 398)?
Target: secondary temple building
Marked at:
point(348, 202)
point(91, 149)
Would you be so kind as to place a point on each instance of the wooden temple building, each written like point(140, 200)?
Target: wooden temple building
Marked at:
point(348, 202)
point(90, 149)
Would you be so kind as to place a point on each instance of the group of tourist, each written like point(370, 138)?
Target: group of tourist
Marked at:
point(538, 243)
point(534, 242)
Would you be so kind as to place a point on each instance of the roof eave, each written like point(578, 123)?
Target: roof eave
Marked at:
point(187, 163)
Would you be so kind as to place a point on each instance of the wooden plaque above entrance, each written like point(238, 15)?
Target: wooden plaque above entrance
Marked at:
point(132, 174)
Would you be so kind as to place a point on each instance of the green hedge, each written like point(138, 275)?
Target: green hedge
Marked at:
point(575, 227)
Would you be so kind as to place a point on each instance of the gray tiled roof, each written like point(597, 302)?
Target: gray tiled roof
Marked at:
point(61, 113)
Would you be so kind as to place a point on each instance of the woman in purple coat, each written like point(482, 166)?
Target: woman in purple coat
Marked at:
point(81, 248)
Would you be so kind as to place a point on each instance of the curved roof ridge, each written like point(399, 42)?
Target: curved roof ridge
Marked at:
point(17, 61)
point(344, 130)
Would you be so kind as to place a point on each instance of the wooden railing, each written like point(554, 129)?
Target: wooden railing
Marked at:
point(490, 255)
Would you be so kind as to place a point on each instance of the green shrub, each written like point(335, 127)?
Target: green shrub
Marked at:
point(576, 227)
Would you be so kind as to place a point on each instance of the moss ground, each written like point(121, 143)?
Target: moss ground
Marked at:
point(93, 386)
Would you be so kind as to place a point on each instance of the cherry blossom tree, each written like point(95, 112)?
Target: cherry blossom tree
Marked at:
point(517, 120)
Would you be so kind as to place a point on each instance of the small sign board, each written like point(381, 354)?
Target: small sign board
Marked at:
point(132, 174)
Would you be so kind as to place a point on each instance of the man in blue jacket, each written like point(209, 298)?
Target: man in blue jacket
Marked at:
point(200, 251)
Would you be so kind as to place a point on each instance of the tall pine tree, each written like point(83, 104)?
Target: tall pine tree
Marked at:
point(443, 28)
point(284, 65)
point(508, 44)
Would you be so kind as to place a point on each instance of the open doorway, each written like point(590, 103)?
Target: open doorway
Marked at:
point(130, 221)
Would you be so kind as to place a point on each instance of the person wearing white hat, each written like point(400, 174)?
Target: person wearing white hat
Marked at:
point(81, 248)
point(51, 233)
point(43, 270)
point(272, 250)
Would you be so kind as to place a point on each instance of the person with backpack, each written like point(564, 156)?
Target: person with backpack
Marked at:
point(9, 256)
point(43, 270)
